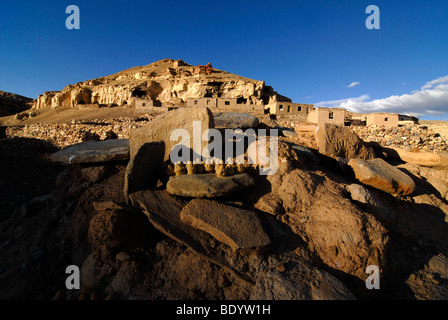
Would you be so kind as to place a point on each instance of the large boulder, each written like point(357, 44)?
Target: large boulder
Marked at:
point(162, 126)
point(299, 282)
point(234, 120)
point(336, 141)
point(317, 209)
point(144, 167)
point(306, 154)
point(425, 159)
point(163, 211)
point(238, 228)
point(286, 132)
point(379, 174)
point(207, 185)
point(93, 151)
point(431, 282)
point(437, 178)
point(372, 202)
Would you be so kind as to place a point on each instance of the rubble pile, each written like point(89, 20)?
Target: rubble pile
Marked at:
point(410, 137)
point(66, 134)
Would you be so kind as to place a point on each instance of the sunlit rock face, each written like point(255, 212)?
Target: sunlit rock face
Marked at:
point(169, 81)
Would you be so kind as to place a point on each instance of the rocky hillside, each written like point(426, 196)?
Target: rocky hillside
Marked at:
point(169, 81)
point(11, 103)
point(140, 227)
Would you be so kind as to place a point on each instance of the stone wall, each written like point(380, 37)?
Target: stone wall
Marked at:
point(410, 138)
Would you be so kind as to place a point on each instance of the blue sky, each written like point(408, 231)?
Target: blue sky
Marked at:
point(310, 51)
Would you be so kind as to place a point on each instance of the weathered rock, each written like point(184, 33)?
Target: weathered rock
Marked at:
point(106, 205)
point(336, 141)
point(119, 230)
point(316, 209)
point(361, 194)
point(379, 174)
point(144, 168)
point(425, 159)
point(234, 120)
point(161, 128)
point(94, 174)
point(93, 151)
point(270, 203)
point(305, 153)
point(163, 212)
point(431, 283)
point(300, 282)
point(286, 132)
point(158, 80)
point(207, 185)
point(238, 228)
point(372, 202)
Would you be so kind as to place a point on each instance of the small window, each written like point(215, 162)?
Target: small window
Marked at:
point(143, 104)
point(280, 107)
point(386, 119)
point(227, 103)
point(299, 109)
point(195, 101)
point(208, 101)
point(289, 108)
point(330, 115)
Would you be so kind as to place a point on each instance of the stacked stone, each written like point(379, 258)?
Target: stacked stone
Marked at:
point(410, 137)
point(65, 134)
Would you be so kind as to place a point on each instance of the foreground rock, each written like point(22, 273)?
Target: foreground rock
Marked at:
point(379, 174)
point(305, 153)
point(342, 142)
point(371, 202)
point(94, 151)
point(163, 212)
point(161, 128)
point(144, 167)
point(234, 120)
point(425, 159)
point(207, 185)
point(431, 283)
point(286, 132)
point(295, 284)
point(434, 178)
point(318, 210)
point(238, 228)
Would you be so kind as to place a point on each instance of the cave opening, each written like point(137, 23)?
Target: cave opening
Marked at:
point(138, 93)
point(241, 100)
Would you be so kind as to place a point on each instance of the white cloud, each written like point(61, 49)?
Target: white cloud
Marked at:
point(430, 84)
point(353, 84)
point(431, 99)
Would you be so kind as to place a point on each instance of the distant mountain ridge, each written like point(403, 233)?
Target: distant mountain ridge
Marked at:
point(11, 103)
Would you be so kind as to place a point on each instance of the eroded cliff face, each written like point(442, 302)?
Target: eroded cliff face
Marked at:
point(169, 81)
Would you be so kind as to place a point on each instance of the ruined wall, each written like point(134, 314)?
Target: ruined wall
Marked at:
point(382, 119)
point(327, 115)
point(203, 102)
point(148, 106)
point(289, 108)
